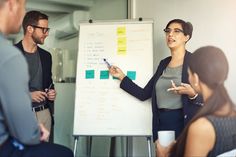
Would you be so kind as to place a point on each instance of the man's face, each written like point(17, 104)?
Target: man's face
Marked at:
point(39, 34)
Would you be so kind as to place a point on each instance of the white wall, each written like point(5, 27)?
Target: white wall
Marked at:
point(109, 9)
point(213, 21)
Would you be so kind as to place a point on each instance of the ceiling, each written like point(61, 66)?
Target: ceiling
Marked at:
point(59, 6)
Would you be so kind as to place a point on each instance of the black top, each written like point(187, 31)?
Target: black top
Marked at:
point(35, 71)
point(225, 130)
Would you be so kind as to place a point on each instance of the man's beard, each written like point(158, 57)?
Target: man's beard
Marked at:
point(37, 40)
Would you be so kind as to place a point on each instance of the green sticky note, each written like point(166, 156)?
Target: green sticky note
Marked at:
point(131, 75)
point(89, 74)
point(104, 74)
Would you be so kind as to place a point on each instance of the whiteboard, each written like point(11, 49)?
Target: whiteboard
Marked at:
point(101, 107)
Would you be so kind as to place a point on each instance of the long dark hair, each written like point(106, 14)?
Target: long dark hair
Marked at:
point(211, 65)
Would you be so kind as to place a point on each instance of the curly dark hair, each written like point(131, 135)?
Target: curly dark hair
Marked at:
point(186, 26)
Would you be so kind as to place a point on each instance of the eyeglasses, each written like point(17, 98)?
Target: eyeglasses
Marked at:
point(44, 29)
point(176, 31)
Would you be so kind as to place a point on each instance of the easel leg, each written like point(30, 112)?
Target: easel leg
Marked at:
point(89, 145)
point(129, 146)
point(149, 146)
point(75, 144)
point(123, 145)
point(112, 146)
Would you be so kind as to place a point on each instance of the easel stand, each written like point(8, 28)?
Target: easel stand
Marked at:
point(149, 146)
point(129, 145)
point(89, 145)
point(76, 139)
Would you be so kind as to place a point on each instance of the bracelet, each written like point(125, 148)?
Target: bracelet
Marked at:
point(194, 97)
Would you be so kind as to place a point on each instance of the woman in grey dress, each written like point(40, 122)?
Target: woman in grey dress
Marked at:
point(213, 130)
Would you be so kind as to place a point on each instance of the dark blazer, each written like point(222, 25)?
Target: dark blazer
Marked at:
point(190, 107)
point(46, 61)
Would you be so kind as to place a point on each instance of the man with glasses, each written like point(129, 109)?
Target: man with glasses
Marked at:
point(35, 26)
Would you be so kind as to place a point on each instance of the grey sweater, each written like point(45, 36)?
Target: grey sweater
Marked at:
point(16, 117)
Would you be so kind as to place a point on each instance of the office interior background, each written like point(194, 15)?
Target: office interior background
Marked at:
point(213, 22)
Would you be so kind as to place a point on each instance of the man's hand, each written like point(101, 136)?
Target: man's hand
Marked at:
point(51, 94)
point(44, 133)
point(38, 96)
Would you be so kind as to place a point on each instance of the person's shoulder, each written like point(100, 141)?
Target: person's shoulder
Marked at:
point(201, 124)
point(163, 63)
point(19, 44)
point(187, 54)
point(8, 51)
point(11, 58)
point(43, 51)
point(200, 138)
point(165, 60)
point(202, 129)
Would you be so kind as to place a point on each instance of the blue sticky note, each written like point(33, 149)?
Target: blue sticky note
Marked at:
point(104, 74)
point(131, 75)
point(89, 74)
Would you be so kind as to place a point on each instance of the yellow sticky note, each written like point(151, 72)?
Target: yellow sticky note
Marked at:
point(121, 31)
point(121, 50)
point(121, 41)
